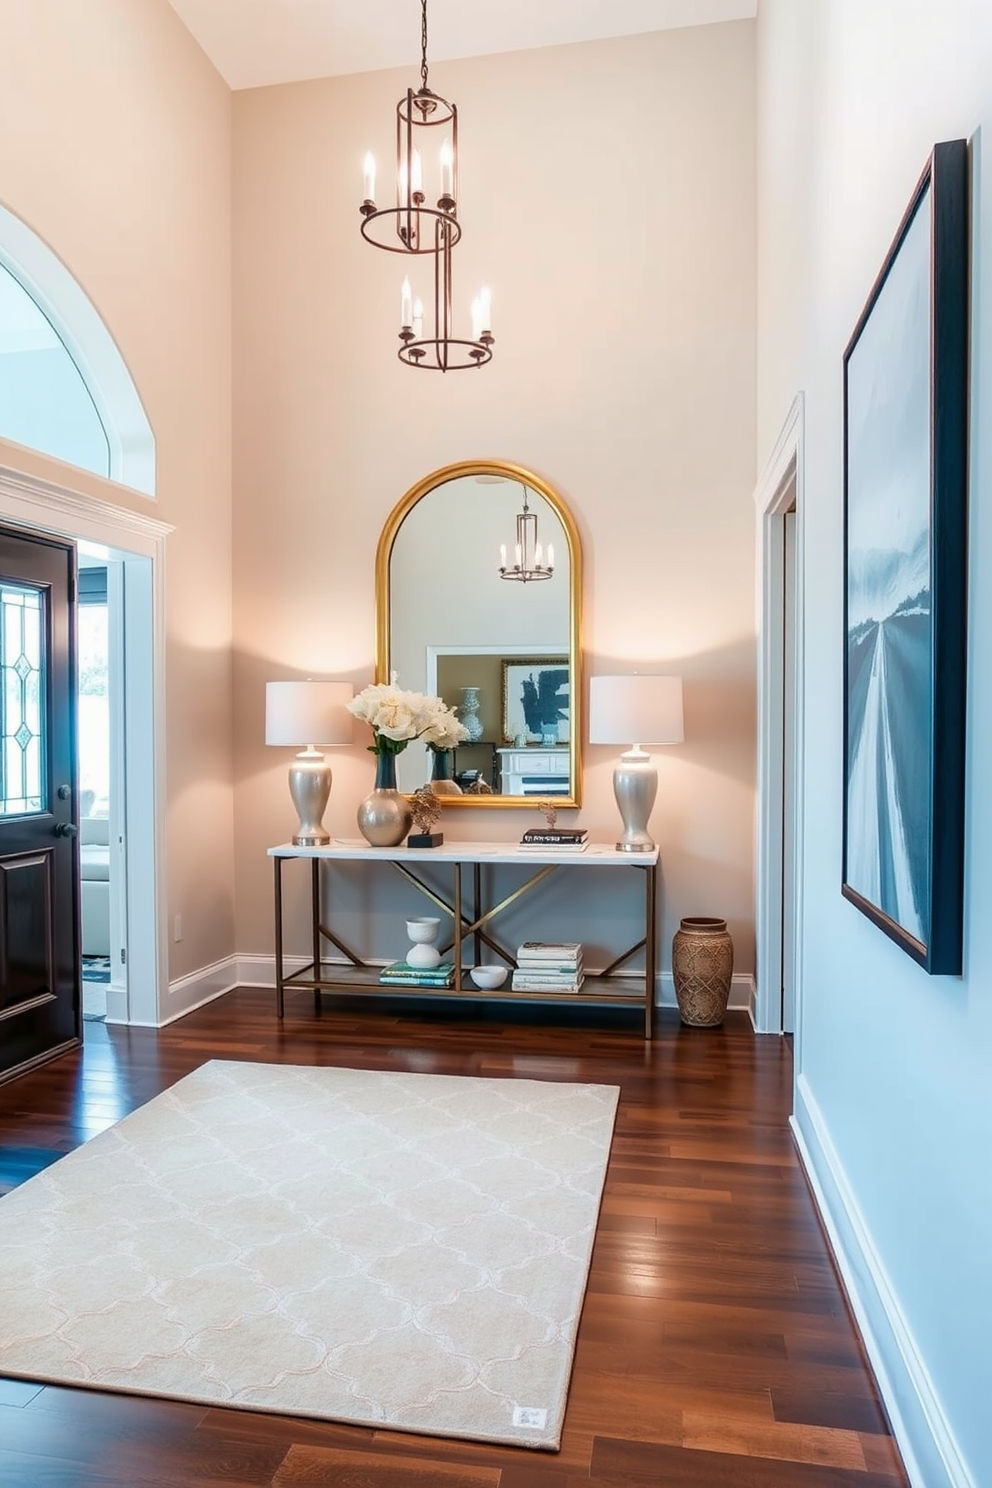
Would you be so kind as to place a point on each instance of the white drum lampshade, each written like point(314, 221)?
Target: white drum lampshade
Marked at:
point(309, 713)
point(635, 710)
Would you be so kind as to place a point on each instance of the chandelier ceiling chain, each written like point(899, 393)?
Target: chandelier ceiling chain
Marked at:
point(414, 226)
point(423, 45)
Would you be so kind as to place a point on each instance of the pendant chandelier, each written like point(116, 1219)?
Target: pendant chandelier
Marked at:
point(413, 226)
point(529, 560)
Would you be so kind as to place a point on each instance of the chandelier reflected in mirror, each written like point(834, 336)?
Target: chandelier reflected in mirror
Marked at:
point(530, 561)
point(426, 223)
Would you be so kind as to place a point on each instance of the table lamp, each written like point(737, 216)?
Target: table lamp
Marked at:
point(647, 709)
point(309, 713)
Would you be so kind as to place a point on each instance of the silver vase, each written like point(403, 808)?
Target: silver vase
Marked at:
point(384, 817)
point(442, 781)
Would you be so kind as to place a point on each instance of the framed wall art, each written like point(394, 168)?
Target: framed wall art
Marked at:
point(536, 698)
point(905, 509)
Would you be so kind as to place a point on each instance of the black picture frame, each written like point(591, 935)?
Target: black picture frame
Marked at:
point(905, 577)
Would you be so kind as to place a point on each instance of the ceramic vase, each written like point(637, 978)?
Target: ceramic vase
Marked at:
point(423, 953)
point(442, 781)
point(384, 818)
point(702, 967)
point(470, 713)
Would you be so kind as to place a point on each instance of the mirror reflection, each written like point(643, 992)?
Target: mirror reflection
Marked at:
point(480, 607)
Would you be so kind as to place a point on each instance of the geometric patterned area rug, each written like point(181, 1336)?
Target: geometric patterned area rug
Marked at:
point(384, 1249)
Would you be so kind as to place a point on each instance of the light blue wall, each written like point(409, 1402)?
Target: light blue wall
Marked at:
point(894, 1083)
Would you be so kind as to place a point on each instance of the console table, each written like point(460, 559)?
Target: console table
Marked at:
point(472, 921)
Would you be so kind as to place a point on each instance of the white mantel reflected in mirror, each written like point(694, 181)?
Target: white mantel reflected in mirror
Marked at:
point(503, 654)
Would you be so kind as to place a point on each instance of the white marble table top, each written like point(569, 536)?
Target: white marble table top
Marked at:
point(595, 855)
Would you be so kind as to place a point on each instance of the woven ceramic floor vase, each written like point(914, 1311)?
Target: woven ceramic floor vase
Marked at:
point(702, 965)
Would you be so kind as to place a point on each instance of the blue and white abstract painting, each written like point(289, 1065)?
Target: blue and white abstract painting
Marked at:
point(889, 630)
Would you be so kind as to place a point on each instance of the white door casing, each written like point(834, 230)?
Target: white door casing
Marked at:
point(43, 505)
point(780, 742)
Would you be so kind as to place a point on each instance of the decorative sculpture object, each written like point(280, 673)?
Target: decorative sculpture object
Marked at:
point(425, 809)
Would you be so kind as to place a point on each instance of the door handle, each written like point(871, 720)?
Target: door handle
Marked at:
point(66, 829)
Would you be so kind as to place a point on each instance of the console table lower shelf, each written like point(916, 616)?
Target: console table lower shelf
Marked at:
point(472, 923)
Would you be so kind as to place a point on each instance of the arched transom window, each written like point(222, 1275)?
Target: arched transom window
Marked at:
point(44, 402)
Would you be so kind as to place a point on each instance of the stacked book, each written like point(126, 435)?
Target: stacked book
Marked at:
point(548, 966)
point(402, 974)
point(573, 839)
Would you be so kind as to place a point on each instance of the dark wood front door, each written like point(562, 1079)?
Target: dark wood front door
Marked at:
point(40, 1003)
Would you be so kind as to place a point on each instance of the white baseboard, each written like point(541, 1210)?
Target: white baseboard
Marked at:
point(742, 992)
point(210, 982)
point(260, 971)
point(930, 1453)
point(116, 1004)
point(199, 988)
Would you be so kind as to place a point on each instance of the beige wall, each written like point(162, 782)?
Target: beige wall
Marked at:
point(608, 199)
point(115, 149)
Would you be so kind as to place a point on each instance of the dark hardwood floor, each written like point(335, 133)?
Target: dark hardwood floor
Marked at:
point(715, 1350)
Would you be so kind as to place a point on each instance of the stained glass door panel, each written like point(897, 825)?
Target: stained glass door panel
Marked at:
point(22, 720)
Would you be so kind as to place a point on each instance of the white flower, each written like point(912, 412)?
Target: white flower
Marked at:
point(443, 729)
point(399, 715)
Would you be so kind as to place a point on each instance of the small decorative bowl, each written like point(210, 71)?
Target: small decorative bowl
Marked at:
point(488, 976)
point(423, 930)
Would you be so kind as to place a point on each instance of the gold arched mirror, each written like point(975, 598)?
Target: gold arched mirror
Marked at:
point(503, 652)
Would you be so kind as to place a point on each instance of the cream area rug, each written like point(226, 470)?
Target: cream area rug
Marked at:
point(391, 1250)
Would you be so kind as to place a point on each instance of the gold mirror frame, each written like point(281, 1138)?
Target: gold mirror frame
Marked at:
point(383, 556)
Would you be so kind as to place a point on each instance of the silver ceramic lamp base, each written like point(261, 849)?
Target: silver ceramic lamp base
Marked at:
point(310, 788)
point(635, 785)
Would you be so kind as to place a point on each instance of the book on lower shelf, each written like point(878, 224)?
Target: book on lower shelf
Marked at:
point(522, 982)
point(548, 971)
point(549, 950)
point(402, 974)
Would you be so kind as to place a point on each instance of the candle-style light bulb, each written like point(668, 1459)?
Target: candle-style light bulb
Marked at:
point(416, 173)
point(418, 318)
point(520, 557)
point(485, 310)
point(369, 174)
point(476, 319)
point(537, 554)
point(406, 305)
point(551, 556)
point(502, 555)
point(447, 169)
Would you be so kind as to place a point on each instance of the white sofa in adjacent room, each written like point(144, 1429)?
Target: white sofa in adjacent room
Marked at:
point(94, 862)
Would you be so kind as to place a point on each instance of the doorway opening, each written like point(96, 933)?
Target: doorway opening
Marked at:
point(97, 791)
point(132, 547)
point(68, 394)
point(780, 711)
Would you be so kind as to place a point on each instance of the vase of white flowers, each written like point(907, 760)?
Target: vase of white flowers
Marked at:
point(442, 735)
point(395, 716)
